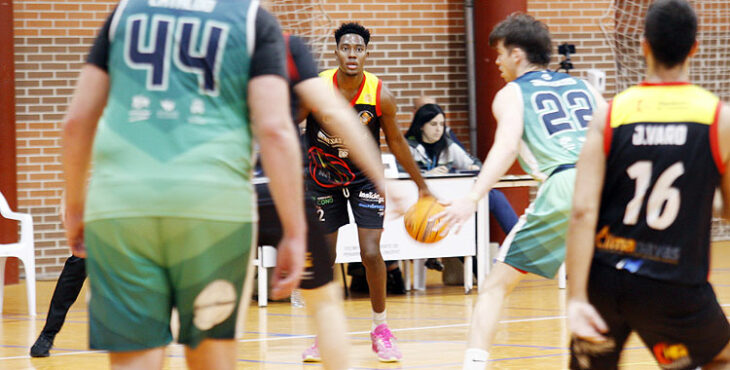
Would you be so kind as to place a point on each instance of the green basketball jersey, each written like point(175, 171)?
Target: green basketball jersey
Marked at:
point(174, 139)
point(557, 110)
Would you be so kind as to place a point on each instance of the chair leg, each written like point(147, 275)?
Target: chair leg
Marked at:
point(419, 274)
point(2, 281)
point(344, 280)
point(29, 264)
point(263, 279)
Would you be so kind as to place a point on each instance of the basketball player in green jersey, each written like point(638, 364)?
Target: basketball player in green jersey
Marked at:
point(178, 91)
point(334, 180)
point(543, 116)
point(639, 239)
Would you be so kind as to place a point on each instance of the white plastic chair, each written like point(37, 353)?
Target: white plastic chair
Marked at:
point(23, 250)
point(390, 168)
point(266, 258)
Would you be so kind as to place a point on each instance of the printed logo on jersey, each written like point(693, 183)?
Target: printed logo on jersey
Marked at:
point(194, 5)
point(197, 110)
point(672, 356)
point(333, 142)
point(139, 111)
point(197, 107)
point(371, 196)
point(327, 170)
point(366, 117)
point(325, 200)
point(659, 135)
point(167, 110)
point(608, 242)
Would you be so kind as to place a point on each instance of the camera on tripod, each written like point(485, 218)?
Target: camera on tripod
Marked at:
point(565, 50)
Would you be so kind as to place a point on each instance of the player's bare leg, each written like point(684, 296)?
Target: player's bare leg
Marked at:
point(721, 361)
point(488, 310)
point(375, 270)
point(152, 358)
point(324, 306)
point(383, 341)
point(212, 354)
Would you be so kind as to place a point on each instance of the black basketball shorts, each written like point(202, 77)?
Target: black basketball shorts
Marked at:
point(682, 325)
point(320, 255)
point(368, 206)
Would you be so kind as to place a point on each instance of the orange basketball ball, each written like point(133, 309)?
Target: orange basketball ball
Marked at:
point(417, 224)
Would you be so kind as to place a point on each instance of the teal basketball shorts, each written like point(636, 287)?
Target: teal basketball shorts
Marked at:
point(536, 243)
point(140, 268)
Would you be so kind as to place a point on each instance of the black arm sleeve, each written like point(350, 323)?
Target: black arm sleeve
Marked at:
point(269, 56)
point(303, 59)
point(99, 53)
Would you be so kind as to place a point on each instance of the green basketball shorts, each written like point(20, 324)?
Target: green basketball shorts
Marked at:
point(536, 243)
point(140, 268)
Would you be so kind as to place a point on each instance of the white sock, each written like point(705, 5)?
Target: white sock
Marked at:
point(475, 359)
point(378, 318)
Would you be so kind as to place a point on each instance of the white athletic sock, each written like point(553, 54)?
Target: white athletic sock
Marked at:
point(378, 318)
point(475, 359)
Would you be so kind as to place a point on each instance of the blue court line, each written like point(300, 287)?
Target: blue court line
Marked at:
point(552, 355)
point(528, 357)
point(543, 348)
point(262, 362)
point(533, 309)
point(370, 318)
point(42, 319)
point(458, 319)
point(13, 346)
point(390, 301)
point(38, 313)
point(394, 364)
point(465, 306)
point(282, 335)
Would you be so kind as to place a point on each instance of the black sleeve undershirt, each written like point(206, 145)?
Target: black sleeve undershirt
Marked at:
point(303, 59)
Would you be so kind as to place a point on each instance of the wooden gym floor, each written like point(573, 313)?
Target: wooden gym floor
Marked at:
point(431, 327)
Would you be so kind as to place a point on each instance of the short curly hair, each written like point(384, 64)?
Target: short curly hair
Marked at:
point(352, 27)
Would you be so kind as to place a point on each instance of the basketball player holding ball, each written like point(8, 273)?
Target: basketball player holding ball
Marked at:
point(334, 180)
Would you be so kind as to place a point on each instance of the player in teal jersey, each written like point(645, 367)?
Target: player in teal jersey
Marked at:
point(541, 115)
point(178, 91)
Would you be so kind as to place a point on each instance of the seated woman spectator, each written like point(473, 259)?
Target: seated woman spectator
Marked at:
point(437, 153)
point(433, 151)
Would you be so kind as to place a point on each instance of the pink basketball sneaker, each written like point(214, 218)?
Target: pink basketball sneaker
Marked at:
point(384, 344)
point(311, 354)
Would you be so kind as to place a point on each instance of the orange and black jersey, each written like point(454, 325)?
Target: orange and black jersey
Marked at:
point(662, 168)
point(329, 160)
